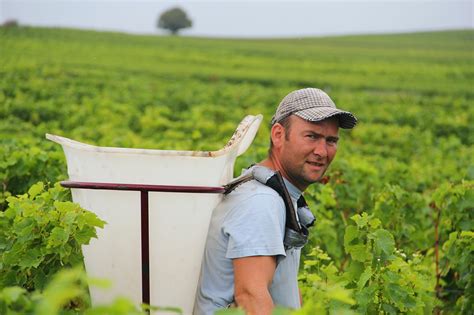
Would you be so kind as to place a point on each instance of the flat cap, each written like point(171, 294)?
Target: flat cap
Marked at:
point(313, 105)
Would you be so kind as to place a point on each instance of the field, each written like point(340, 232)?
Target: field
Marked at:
point(394, 230)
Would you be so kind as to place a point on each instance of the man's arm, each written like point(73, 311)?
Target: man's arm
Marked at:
point(252, 278)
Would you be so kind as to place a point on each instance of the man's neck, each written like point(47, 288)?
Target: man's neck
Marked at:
point(275, 165)
point(294, 191)
point(268, 162)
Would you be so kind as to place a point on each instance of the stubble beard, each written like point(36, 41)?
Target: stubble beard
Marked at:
point(301, 178)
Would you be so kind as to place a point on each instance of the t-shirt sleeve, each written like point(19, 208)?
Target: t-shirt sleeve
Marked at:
point(256, 227)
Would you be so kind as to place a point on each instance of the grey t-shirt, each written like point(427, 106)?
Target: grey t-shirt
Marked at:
point(250, 221)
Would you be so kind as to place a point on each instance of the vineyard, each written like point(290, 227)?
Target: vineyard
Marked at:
point(395, 220)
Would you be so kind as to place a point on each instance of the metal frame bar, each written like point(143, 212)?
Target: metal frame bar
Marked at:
point(145, 240)
point(144, 206)
point(140, 187)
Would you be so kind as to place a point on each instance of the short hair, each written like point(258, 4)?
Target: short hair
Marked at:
point(286, 123)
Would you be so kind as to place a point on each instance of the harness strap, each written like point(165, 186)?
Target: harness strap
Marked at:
point(237, 182)
point(274, 180)
point(276, 183)
point(305, 216)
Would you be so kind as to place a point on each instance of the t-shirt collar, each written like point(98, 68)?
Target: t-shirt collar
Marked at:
point(294, 192)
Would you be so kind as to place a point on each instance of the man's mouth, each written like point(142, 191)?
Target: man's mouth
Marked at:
point(317, 164)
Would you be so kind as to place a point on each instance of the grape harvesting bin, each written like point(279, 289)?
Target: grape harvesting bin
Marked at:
point(157, 205)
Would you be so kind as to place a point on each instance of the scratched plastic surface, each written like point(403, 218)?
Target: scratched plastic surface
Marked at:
point(178, 221)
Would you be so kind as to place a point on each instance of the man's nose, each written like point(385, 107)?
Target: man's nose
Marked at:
point(320, 148)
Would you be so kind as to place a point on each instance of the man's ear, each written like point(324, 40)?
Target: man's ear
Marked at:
point(278, 135)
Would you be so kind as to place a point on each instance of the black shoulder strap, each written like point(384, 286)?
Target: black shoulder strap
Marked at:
point(276, 183)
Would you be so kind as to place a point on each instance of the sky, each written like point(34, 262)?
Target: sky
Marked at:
point(254, 19)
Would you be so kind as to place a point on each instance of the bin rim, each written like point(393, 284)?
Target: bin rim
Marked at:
point(247, 128)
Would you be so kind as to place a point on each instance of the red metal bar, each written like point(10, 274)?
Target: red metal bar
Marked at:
point(139, 187)
point(145, 248)
point(144, 200)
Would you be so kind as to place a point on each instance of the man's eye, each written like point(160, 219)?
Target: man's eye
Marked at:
point(332, 141)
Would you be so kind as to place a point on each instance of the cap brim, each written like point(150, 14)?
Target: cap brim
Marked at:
point(346, 119)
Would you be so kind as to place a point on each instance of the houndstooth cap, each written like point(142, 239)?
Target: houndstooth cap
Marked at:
point(313, 105)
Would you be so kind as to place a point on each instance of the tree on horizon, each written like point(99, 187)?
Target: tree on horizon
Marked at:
point(174, 20)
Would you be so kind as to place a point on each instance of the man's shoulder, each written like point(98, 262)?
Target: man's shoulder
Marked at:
point(249, 199)
point(250, 195)
point(253, 189)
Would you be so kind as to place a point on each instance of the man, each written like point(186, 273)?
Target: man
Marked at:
point(248, 260)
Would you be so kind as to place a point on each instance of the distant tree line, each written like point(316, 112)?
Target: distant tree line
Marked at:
point(10, 23)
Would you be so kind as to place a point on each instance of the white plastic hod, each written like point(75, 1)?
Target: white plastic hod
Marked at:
point(178, 222)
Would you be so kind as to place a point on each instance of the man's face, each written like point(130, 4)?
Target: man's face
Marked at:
point(305, 152)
